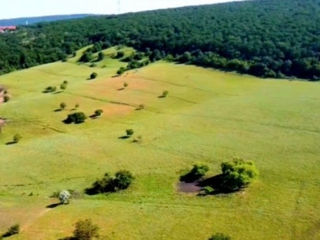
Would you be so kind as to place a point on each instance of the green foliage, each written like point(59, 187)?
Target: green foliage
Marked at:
point(77, 118)
point(85, 230)
point(196, 173)
point(129, 132)
point(125, 84)
point(220, 236)
point(100, 56)
point(63, 86)
point(207, 190)
point(63, 105)
point(13, 230)
point(98, 112)
point(238, 174)
point(50, 89)
point(120, 54)
point(17, 138)
point(86, 57)
point(121, 181)
point(164, 94)
point(121, 70)
point(93, 75)
point(6, 98)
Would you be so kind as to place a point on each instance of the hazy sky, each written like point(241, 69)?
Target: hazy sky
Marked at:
point(24, 8)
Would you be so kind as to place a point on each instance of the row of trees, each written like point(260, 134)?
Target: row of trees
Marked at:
point(267, 38)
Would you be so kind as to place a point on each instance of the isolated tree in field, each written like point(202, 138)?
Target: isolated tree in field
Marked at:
point(237, 174)
point(77, 118)
point(77, 105)
point(63, 105)
point(63, 86)
point(164, 94)
point(196, 173)
point(17, 138)
point(64, 197)
point(85, 230)
point(6, 98)
point(50, 89)
point(93, 75)
point(98, 112)
point(125, 84)
point(13, 230)
point(129, 132)
point(220, 236)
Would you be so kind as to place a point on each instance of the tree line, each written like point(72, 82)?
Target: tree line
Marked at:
point(267, 38)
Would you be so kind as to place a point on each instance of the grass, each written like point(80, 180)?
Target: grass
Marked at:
point(209, 116)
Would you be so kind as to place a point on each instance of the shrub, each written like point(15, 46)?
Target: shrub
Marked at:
point(129, 132)
point(13, 230)
point(140, 107)
point(86, 57)
point(63, 105)
point(63, 86)
point(197, 172)
point(165, 94)
point(93, 75)
point(120, 181)
point(207, 190)
point(76, 106)
point(6, 98)
point(125, 85)
point(237, 174)
point(220, 236)
point(17, 138)
point(121, 70)
point(120, 54)
point(64, 197)
point(50, 89)
point(77, 118)
point(98, 112)
point(85, 230)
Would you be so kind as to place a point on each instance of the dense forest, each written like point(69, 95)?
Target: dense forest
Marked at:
point(268, 38)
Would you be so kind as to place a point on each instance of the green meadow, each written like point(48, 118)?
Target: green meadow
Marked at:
point(209, 116)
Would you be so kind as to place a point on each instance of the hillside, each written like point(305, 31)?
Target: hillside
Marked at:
point(267, 38)
point(209, 116)
point(33, 20)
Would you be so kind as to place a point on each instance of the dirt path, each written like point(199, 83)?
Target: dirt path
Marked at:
point(34, 218)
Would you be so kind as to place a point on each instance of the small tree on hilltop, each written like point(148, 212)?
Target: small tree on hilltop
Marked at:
point(237, 174)
point(85, 230)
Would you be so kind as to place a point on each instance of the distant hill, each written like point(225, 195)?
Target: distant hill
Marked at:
point(33, 20)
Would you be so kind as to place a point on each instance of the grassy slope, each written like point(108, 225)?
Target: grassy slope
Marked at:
point(209, 116)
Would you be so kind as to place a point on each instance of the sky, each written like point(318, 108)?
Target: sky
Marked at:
point(28, 8)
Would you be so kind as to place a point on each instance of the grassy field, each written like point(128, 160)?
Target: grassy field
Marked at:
point(209, 116)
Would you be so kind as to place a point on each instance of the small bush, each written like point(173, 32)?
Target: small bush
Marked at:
point(93, 75)
point(13, 230)
point(100, 56)
point(237, 174)
point(85, 230)
point(197, 172)
point(125, 85)
point(50, 89)
point(17, 138)
point(63, 86)
point(207, 190)
point(120, 54)
point(129, 132)
point(6, 98)
point(120, 181)
point(220, 236)
point(98, 112)
point(77, 118)
point(63, 105)
point(76, 106)
point(140, 107)
point(164, 94)
point(121, 70)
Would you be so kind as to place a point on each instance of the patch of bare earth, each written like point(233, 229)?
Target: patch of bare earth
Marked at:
point(192, 187)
